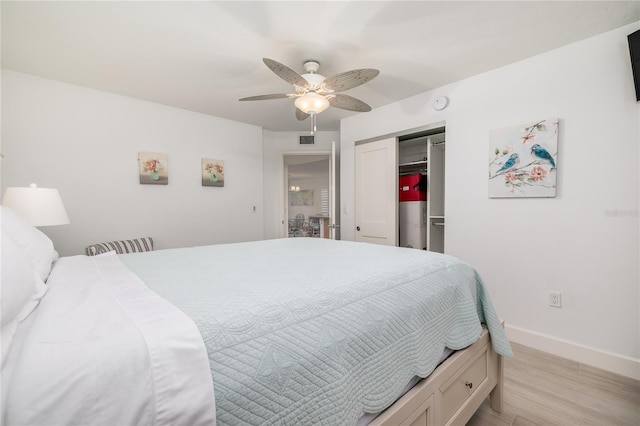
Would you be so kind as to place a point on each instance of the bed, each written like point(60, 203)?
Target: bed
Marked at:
point(289, 331)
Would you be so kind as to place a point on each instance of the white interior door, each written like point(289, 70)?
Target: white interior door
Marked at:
point(332, 193)
point(376, 195)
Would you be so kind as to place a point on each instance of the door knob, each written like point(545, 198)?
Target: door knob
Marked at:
point(357, 228)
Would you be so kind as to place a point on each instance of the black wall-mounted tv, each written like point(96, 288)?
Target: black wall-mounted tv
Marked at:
point(634, 50)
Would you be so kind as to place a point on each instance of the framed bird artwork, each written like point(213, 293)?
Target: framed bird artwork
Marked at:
point(523, 160)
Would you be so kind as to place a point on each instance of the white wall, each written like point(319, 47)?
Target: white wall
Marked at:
point(275, 145)
point(85, 143)
point(525, 247)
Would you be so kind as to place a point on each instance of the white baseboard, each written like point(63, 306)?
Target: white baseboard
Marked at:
point(615, 363)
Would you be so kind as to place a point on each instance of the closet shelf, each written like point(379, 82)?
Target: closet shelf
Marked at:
point(414, 163)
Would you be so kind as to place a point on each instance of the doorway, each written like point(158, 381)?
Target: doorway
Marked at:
point(307, 184)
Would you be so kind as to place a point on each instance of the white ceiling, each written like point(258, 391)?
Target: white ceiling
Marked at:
point(205, 55)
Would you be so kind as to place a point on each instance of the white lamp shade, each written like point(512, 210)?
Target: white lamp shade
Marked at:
point(312, 103)
point(40, 206)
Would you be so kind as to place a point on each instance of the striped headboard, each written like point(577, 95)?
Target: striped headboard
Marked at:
point(122, 246)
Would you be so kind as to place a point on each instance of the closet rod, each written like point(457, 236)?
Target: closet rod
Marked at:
point(414, 163)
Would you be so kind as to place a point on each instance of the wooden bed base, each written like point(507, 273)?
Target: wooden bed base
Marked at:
point(453, 392)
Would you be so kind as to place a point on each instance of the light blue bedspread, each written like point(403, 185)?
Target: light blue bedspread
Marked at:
point(312, 331)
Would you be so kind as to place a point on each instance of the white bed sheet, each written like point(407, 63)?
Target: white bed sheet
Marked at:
point(102, 349)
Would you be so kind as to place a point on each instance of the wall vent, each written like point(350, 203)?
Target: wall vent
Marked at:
point(306, 140)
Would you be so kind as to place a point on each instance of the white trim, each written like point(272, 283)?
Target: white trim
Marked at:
point(615, 363)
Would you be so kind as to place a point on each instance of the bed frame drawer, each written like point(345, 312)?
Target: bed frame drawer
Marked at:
point(456, 391)
point(453, 392)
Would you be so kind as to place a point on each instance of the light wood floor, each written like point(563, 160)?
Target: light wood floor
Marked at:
point(542, 389)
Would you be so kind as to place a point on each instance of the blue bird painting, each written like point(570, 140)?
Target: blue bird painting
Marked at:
point(539, 152)
point(511, 162)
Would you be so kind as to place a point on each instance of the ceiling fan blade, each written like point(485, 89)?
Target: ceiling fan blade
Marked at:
point(349, 103)
point(265, 97)
point(285, 73)
point(350, 79)
point(301, 115)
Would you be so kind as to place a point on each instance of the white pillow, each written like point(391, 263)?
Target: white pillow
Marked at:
point(37, 246)
point(21, 289)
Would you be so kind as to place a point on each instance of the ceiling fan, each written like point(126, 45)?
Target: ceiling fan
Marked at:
point(314, 93)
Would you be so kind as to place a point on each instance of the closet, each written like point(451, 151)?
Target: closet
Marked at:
point(410, 166)
point(421, 221)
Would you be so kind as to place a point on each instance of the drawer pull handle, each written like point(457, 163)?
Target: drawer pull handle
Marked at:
point(468, 384)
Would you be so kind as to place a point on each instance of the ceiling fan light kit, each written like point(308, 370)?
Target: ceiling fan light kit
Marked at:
point(311, 103)
point(314, 93)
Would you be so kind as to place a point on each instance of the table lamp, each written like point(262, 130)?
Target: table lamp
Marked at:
point(40, 206)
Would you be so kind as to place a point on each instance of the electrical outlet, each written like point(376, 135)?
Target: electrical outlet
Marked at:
point(554, 299)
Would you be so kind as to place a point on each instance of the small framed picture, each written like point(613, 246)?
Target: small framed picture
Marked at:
point(212, 172)
point(153, 168)
point(302, 197)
